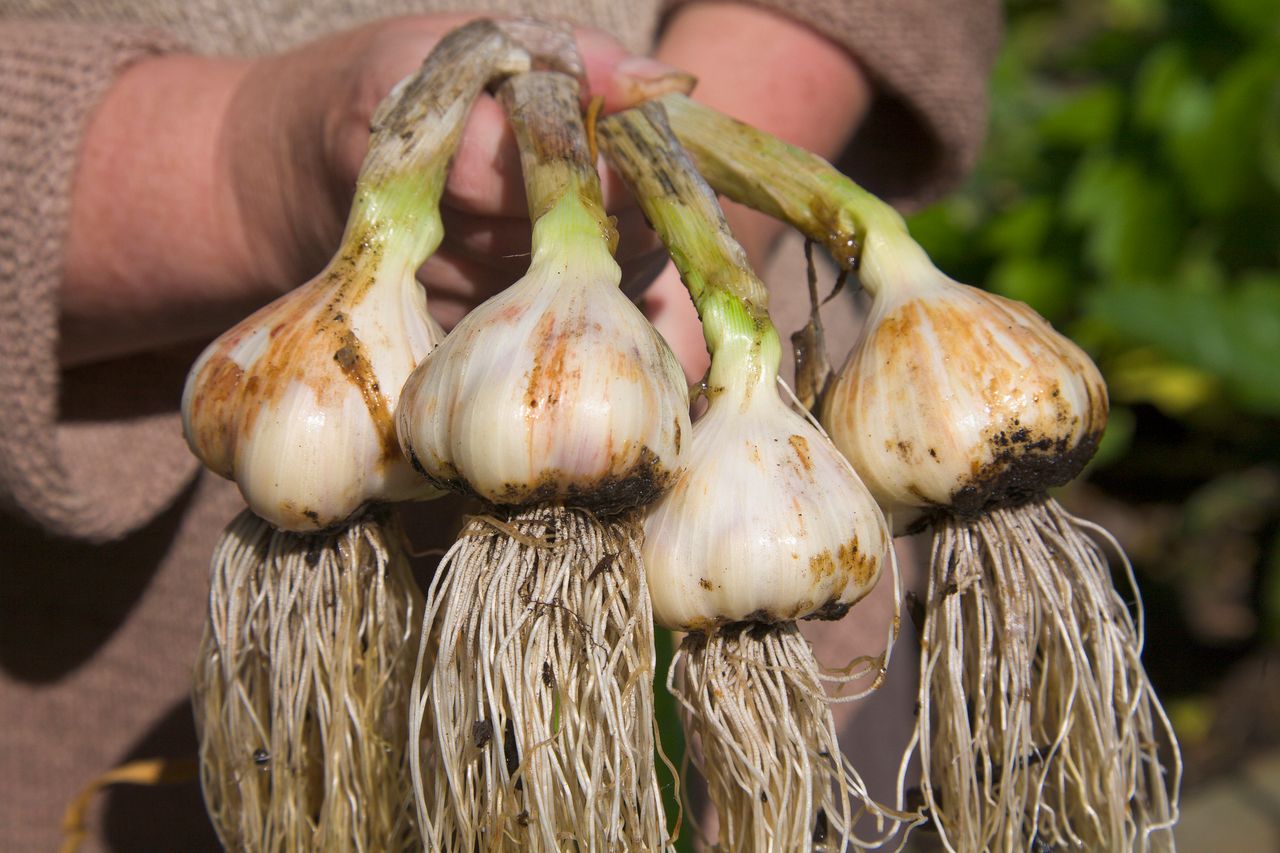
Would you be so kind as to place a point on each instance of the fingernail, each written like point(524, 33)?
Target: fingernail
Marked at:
point(646, 68)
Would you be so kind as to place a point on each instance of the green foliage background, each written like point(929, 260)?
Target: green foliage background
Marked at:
point(1130, 192)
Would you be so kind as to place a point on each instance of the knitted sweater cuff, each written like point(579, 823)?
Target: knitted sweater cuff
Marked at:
point(928, 61)
point(80, 469)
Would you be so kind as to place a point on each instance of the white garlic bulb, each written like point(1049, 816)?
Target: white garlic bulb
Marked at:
point(558, 388)
point(957, 399)
point(768, 523)
point(295, 402)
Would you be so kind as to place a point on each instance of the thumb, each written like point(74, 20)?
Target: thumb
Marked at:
point(624, 79)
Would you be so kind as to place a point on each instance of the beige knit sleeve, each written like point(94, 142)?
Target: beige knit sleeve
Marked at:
point(94, 453)
point(929, 61)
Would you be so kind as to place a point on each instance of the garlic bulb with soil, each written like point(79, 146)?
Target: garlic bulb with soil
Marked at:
point(1037, 725)
point(561, 407)
point(966, 407)
point(776, 522)
point(558, 388)
point(769, 524)
point(957, 399)
point(301, 686)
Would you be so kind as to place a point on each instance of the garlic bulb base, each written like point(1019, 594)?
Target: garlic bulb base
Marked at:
point(1023, 468)
point(639, 485)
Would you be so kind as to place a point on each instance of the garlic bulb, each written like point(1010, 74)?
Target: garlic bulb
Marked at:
point(768, 523)
point(295, 403)
point(956, 398)
point(557, 388)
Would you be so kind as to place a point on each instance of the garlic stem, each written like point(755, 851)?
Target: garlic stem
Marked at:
point(731, 300)
point(788, 183)
point(560, 178)
point(414, 134)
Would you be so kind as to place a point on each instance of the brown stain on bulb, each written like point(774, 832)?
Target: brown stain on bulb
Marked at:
point(210, 434)
point(554, 374)
point(846, 565)
point(822, 566)
point(307, 328)
point(801, 449)
point(354, 362)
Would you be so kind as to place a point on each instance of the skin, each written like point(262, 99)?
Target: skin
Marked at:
point(208, 186)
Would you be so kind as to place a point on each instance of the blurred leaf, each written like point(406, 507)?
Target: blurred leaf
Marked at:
point(1022, 229)
point(1233, 335)
point(1165, 84)
point(1216, 152)
point(1253, 19)
point(1087, 118)
point(1040, 282)
point(1135, 14)
point(1269, 140)
point(1143, 375)
point(1131, 220)
point(944, 234)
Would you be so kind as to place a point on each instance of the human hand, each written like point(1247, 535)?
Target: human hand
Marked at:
point(302, 119)
point(207, 186)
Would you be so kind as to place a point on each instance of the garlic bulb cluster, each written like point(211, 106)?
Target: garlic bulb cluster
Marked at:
point(558, 388)
point(957, 399)
point(295, 403)
point(768, 523)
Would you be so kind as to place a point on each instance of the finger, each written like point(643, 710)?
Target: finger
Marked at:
point(504, 242)
point(670, 310)
point(485, 175)
point(622, 78)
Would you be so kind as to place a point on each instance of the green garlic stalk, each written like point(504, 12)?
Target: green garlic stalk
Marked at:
point(769, 524)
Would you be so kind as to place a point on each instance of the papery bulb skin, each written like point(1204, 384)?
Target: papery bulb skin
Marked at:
point(295, 402)
point(556, 389)
point(768, 523)
point(956, 399)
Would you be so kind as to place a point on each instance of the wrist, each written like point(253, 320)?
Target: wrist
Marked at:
point(154, 232)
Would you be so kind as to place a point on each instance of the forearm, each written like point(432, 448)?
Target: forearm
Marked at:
point(145, 266)
point(771, 72)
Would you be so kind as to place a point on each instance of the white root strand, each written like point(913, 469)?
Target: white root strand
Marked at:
point(535, 716)
point(1037, 723)
point(301, 688)
point(762, 734)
